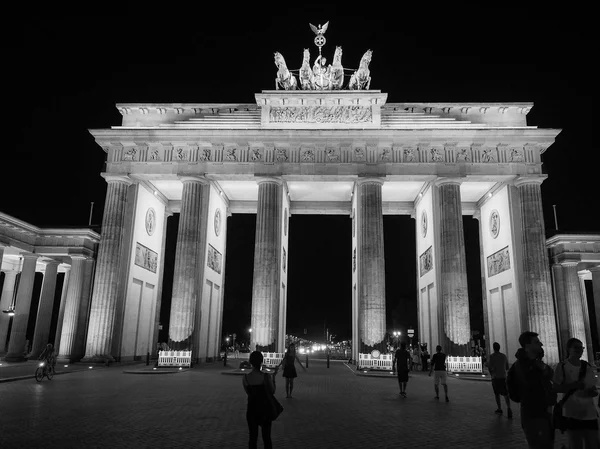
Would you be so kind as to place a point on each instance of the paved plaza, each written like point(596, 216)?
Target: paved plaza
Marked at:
point(201, 407)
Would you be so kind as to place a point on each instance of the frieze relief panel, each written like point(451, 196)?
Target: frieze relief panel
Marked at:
point(425, 262)
point(498, 262)
point(321, 114)
point(214, 259)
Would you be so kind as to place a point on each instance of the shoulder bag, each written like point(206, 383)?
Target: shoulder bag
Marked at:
point(558, 420)
point(275, 408)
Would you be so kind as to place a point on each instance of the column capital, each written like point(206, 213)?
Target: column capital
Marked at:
point(50, 262)
point(477, 215)
point(117, 178)
point(443, 181)
point(26, 255)
point(595, 269)
point(370, 180)
point(569, 263)
point(191, 178)
point(522, 180)
point(269, 179)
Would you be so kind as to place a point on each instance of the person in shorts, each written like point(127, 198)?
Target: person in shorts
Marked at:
point(438, 367)
point(402, 363)
point(498, 367)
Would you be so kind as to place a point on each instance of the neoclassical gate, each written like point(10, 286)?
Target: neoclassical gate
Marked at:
point(313, 151)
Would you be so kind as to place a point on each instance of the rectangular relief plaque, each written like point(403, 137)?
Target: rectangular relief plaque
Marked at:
point(321, 114)
point(498, 262)
point(145, 257)
point(425, 262)
point(214, 259)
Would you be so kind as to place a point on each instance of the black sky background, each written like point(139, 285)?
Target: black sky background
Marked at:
point(67, 71)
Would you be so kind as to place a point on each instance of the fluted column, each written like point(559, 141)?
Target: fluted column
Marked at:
point(72, 306)
point(596, 293)
point(370, 254)
point(61, 310)
point(16, 345)
point(539, 306)
point(44, 313)
point(265, 282)
point(484, 291)
point(187, 263)
point(84, 309)
point(562, 313)
point(453, 270)
point(8, 291)
point(589, 347)
point(574, 303)
point(106, 283)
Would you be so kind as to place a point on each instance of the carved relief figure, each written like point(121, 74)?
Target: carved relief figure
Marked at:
point(424, 224)
point(150, 221)
point(337, 71)
point(361, 78)
point(205, 154)
point(306, 74)
point(256, 154)
point(386, 154)
point(498, 262)
point(488, 155)
point(425, 262)
point(409, 155)
point(332, 155)
point(284, 79)
point(281, 154)
point(154, 155)
point(516, 155)
point(359, 153)
point(308, 155)
point(181, 154)
point(436, 155)
point(354, 260)
point(129, 155)
point(230, 154)
point(494, 223)
point(463, 155)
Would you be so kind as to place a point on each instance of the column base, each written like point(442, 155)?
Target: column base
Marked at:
point(15, 358)
point(103, 359)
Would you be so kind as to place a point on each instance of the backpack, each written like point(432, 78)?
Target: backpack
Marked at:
point(512, 383)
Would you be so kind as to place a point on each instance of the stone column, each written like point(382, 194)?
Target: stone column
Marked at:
point(574, 304)
point(16, 345)
point(106, 283)
point(539, 306)
point(61, 310)
point(589, 346)
point(186, 290)
point(8, 291)
point(596, 294)
point(72, 306)
point(484, 291)
point(44, 313)
point(453, 270)
point(370, 255)
point(265, 282)
point(84, 309)
point(562, 314)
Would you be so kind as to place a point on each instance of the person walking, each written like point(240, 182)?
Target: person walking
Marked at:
point(402, 363)
point(416, 359)
point(575, 379)
point(498, 367)
point(258, 386)
point(529, 382)
point(424, 358)
point(438, 366)
point(289, 369)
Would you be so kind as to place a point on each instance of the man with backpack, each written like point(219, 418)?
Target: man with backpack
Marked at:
point(529, 383)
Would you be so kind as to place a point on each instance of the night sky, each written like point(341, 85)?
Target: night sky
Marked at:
point(66, 73)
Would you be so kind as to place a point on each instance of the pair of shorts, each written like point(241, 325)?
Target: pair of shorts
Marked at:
point(499, 386)
point(402, 376)
point(439, 377)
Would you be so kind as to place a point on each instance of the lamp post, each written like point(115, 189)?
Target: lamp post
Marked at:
point(397, 335)
point(249, 339)
point(411, 334)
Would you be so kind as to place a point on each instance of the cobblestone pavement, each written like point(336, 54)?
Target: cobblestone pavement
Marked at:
point(201, 407)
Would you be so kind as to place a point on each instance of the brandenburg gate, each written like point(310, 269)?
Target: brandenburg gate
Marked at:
point(317, 144)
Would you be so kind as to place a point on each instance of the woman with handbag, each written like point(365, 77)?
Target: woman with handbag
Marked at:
point(260, 388)
point(576, 380)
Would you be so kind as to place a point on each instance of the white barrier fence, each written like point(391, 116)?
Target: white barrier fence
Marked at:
point(464, 364)
point(175, 358)
point(380, 361)
point(272, 359)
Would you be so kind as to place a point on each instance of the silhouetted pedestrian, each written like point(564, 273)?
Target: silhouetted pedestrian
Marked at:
point(575, 379)
point(402, 363)
point(258, 386)
point(438, 367)
point(498, 367)
point(289, 369)
point(529, 382)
